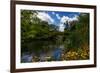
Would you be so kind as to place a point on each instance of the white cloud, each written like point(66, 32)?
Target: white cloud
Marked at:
point(75, 18)
point(61, 27)
point(45, 17)
point(64, 19)
point(58, 17)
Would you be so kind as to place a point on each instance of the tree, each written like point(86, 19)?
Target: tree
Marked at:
point(78, 32)
point(34, 31)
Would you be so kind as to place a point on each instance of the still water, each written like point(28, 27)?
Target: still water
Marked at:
point(43, 50)
point(55, 54)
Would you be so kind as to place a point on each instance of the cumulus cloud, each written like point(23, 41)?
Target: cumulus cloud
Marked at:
point(75, 18)
point(61, 27)
point(45, 17)
point(58, 17)
point(65, 19)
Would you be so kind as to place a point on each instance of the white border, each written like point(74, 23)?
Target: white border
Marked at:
point(53, 64)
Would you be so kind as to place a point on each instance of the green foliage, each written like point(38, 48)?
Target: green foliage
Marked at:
point(38, 35)
point(33, 29)
point(79, 32)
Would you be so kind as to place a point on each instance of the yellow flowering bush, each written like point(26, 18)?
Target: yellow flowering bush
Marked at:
point(71, 55)
point(80, 54)
point(84, 54)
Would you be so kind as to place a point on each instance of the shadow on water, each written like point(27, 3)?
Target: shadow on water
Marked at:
point(43, 51)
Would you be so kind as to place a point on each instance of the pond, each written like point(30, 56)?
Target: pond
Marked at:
point(51, 55)
point(54, 55)
point(43, 51)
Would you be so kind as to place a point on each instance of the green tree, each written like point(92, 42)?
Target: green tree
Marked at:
point(78, 32)
point(33, 30)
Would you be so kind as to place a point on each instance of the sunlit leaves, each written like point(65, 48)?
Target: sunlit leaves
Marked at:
point(38, 35)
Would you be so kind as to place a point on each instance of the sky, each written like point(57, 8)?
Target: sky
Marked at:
point(58, 18)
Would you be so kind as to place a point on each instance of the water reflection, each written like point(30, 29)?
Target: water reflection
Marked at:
point(43, 51)
point(57, 54)
point(26, 57)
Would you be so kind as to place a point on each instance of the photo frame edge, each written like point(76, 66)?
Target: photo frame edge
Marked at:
point(13, 41)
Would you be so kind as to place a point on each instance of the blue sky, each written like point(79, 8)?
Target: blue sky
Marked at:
point(57, 18)
point(61, 14)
